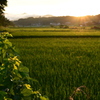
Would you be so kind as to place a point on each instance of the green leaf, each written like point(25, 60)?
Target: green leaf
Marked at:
point(15, 69)
point(1, 84)
point(44, 98)
point(11, 90)
point(18, 75)
point(27, 91)
point(8, 43)
point(2, 93)
point(9, 35)
point(16, 79)
point(7, 98)
point(0, 48)
point(3, 53)
point(23, 69)
point(6, 59)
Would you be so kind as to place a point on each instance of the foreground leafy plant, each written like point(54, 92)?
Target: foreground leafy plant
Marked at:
point(15, 82)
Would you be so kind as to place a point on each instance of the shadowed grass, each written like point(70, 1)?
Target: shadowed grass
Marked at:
point(61, 64)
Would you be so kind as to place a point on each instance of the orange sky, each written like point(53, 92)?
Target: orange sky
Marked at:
point(54, 7)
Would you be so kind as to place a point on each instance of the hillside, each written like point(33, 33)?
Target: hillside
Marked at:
point(68, 20)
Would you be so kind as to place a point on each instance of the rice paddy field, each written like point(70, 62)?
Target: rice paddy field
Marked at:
point(61, 60)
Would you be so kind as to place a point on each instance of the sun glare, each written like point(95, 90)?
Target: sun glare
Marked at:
point(61, 8)
point(82, 8)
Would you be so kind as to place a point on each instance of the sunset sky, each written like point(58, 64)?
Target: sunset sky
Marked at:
point(54, 7)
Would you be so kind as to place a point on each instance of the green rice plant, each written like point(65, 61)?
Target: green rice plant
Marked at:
point(51, 32)
point(60, 64)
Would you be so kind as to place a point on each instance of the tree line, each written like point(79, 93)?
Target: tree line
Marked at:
point(70, 20)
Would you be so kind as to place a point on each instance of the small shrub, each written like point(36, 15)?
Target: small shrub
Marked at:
point(66, 26)
point(52, 26)
point(63, 26)
point(95, 27)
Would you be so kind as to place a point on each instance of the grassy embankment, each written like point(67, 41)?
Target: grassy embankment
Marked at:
point(61, 64)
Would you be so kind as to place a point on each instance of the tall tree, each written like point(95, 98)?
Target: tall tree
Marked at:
point(3, 21)
point(3, 3)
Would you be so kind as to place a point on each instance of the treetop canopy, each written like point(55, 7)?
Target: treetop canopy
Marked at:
point(3, 3)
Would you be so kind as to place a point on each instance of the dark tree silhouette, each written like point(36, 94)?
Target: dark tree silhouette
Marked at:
point(3, 3)
point(4, 21)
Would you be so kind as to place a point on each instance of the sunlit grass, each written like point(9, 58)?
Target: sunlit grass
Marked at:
point(31, 32)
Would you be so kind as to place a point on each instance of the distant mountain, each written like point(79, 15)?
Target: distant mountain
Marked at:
point(48, 15)
point(13, 17)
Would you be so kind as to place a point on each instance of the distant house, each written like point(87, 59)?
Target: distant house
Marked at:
point(81, 25)
point(55, 24)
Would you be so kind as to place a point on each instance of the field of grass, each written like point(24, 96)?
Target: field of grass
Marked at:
point(61, 64)
point(33, 32)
